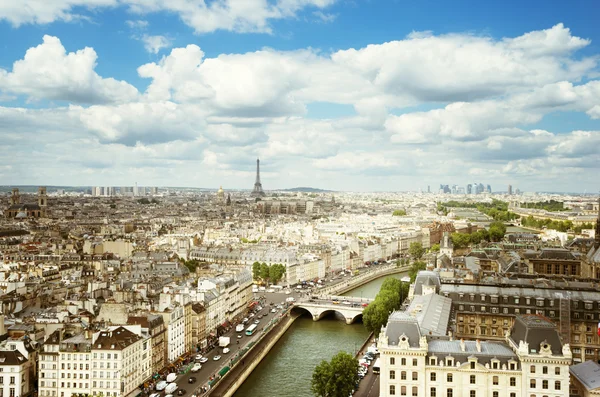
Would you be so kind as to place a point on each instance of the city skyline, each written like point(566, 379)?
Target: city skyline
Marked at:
point(330, 95)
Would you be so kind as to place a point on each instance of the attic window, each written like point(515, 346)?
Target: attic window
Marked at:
point(112, 346)
point(99, 346)
point(2, 359)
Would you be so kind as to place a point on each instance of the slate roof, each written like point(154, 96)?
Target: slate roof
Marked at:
point(400, 323)
point(12, 357)
point(426, 276)
point(535, 330)
point(489, 350)
point(432, 313)
point(588, 373)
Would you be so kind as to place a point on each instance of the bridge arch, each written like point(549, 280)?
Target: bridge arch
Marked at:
point(302, 310)
point(326, 312)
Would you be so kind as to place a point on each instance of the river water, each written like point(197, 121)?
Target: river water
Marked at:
point(287, 370)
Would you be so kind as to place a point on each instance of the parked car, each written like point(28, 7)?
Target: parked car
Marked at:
point(197, 367)
point(256, 321)
point(203, 359)
point(226, 350)
point(273, 310)
point(161, 385)
point(216, 358)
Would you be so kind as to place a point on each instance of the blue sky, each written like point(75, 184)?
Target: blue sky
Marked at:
point(346, 95)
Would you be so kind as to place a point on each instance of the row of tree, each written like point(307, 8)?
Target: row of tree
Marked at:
point(496, 232)
point(268, 274)
point(497, 209)
point(390, 297)
point(561, 226)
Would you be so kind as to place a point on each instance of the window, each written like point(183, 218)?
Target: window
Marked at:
point(403, 375)
point(392, 374)
point(557, 385)
point(403, 390)
point(403, 361)
point(432, 376)
point(513, 394)
point(557, 371)
point(449, 393)
point(513, 366)
point(544, 384)
point(432, 361)
point(472, 364)
point(544, 370)
point(532, 369)
point(532, 383)
point(415, 391)
point(473, 379)
point(513, 381)
point(449, 378)
point(495, 394)
point(432, 392)
point(495, 380)
point(473, 393)
point(392, 390)
point(414, 362)
point(415, 376)
point(392, 361)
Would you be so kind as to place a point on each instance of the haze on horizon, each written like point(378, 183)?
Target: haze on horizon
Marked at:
point(347, 96)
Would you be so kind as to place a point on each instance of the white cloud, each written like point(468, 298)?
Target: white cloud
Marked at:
point(49, 72)
point(137, 24)
point(47, 11)
point(324, 17)
point(154, 44)
point(476, 96)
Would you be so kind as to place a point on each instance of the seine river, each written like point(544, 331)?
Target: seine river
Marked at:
point(287, 369)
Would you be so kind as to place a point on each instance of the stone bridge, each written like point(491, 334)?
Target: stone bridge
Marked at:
point(319, 309)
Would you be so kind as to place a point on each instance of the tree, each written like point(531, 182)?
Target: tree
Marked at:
point(336, 378)
point(415, 268)
point(435, 248)
point(276, 272)
point(497, 231)
point(264, 272)
point(460, 240)
point(416, 250)
point(399, 213)
point(256, 270)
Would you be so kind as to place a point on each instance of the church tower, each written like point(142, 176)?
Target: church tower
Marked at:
point(42, 201)
point(15, 199)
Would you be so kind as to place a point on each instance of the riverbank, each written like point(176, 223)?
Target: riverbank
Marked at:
point(236, 376)
point(357, 281)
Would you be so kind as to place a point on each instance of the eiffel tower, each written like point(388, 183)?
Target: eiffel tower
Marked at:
point(258, 190)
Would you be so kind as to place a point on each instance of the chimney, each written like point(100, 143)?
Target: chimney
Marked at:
point(450, 336)
point(462, 345)
point(478, 344)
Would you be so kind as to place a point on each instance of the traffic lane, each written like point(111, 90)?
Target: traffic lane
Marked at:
point(211, 367)
point(369, 386)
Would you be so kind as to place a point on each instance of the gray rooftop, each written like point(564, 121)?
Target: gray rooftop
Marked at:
point(442, 348)
point(536, 330)
point(432, 313)
point(400, 323)
point(588, 373)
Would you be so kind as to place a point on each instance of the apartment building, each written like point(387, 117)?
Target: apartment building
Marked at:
point(110, 362)
point(14, 374)
point(531, 362)
point(488, 311)
point(174, 320)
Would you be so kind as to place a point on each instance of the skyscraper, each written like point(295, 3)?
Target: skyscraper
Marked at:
point(510, 190)
point(258, 190)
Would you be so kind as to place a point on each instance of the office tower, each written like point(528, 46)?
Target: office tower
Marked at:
point(510, 190)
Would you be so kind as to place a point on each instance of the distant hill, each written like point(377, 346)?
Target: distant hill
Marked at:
point(307, 190)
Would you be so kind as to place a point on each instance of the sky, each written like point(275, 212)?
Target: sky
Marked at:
point(354, 95)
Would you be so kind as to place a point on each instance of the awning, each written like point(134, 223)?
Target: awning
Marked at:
point(223, 371)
